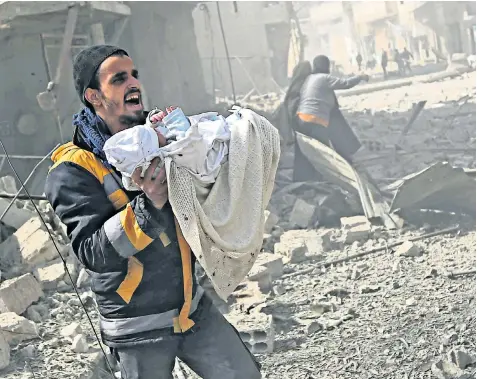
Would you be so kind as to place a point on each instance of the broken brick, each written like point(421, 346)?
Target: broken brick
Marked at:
point(17, 294)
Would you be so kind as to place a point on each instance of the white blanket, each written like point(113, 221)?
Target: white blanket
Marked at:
point(201, 149)
point(223, 223)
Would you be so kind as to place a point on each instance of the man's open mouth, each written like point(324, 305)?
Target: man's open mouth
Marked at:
point(133, 98)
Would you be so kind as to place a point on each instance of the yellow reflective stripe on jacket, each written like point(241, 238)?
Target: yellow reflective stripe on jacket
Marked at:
point(125, 234)
point(87, 160)
point(132, 280)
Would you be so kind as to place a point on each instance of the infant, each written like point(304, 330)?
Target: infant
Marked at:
point(199, 143)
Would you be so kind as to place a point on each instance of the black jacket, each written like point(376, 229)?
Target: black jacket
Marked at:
point(130, 249)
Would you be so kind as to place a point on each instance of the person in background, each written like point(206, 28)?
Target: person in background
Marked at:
point(319, 116)
point(384, 63)
point(398, 59)
point(406, 57)
point(359, 61)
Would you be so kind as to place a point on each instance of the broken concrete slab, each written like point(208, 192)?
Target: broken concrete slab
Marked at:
point(16, 328)
point(358, 233)
point(295, 253)
point(50, 275)
point(337, 170)
point(17, 294)
point(257, 331)
point(4, 352)
point(262, 276)
point(302, 214)
point(273, 262)
point(438, 187)
point(15, 217)
point(351, 222)
point(31, 244)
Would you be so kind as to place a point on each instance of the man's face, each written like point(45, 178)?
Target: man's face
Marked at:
point(118, 101)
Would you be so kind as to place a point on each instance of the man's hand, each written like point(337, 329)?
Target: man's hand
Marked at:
point(153, 184)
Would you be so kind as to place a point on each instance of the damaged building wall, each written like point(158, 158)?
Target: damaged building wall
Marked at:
point(249, 28)
point(159, 37)
point(162, 40)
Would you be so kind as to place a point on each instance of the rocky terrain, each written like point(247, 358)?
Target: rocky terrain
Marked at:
point(403, 308)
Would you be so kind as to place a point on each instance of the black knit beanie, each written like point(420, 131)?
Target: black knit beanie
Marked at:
point(87, 62)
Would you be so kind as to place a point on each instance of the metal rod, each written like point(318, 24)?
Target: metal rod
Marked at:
point(226, 51)
point(22, 156)
point(21, 197)
point(15, 197)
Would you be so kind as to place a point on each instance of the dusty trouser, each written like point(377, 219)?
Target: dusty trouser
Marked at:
point(212, 349)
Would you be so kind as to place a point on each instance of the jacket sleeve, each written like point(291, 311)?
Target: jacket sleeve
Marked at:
point(335, 83)
point(101, 236)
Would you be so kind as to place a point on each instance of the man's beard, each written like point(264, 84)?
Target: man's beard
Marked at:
point(129, 121)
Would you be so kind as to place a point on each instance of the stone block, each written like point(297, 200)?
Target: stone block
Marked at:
point(295, 251)
point(8, 185)
point(351, 222)
point(31, 244)
point(262, 276)
point(15, 217)
point(408, 249)
point(4, 352)
point(271, 220)
point(256, 330)
point(71, 331)
point(17, 294)
point(50, 275)
point(273, 262)
point(302, 214)
point(357, 233)
point(80, 344)
point(16, 328)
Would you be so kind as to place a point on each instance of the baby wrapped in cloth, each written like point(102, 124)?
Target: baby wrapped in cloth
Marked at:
point(220, 175)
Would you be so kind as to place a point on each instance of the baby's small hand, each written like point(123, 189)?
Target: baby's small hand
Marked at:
point(158, 117)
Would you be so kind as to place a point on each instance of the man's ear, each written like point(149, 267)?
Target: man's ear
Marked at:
point(92, 97)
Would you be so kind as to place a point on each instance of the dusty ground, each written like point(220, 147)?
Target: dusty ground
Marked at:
point(399, 315)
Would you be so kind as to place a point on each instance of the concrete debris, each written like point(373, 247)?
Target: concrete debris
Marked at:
point(314, 327)
point(438, 187)
point(71, 331)
point(357, 233)
point(50, 275)
point(447, 370)
point(408, 249)
point(16, 328)
point(79, 344)
point(461, 358)
point(257, 331)
point(17, 294)
point(16, 217)
point(351, 222)
point(4, 352)
point(273, 262)
point(31, 244)
point(294, 252)
point(369, 289)
point(302, 214)
point(262, 276)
